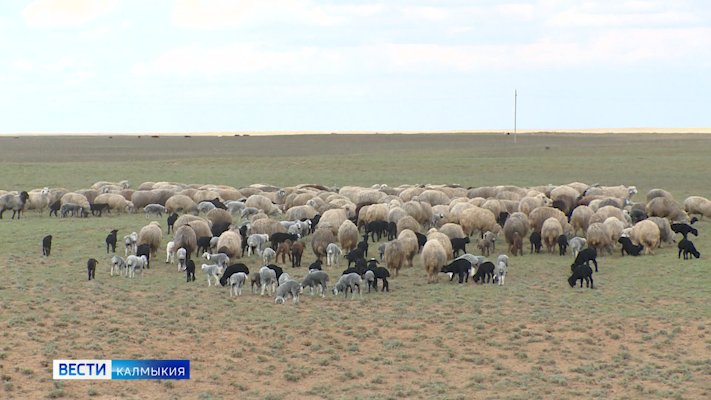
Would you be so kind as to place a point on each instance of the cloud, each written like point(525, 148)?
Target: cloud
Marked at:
point(65, 13)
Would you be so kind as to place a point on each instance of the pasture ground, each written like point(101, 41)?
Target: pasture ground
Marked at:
point(641, 334)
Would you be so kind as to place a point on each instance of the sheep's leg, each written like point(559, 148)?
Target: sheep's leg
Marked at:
point(591, 283)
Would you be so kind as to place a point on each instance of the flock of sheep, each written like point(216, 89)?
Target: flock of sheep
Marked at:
point(435, 221)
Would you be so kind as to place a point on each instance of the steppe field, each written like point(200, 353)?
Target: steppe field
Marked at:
point(644, 332)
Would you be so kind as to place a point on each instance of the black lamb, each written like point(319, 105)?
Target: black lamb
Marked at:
point(203, 245)
point(353, 256)
point(111, 241)
point(628, 247)
point(383, 274)
point(171, 221)
point(688, 249)
point(581, 272)
point(460, 244)
point(421, 240)
point(460, 267)
point(584, 257)
point(563, 244)
point(684, 229)
point(485, 272)
point(392, 230)
point(316, 265)
point(144, 250)
point(54, 208)
point(536, 241)
point(46, 245)
point(219, 229)
point(190, 269)
point(363, 246)
point(277, 270)
point(377, 227)
point(91, 268)
point(280, 237)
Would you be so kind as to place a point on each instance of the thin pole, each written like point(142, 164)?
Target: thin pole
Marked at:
point(514, 115)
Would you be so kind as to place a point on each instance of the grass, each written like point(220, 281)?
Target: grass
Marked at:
point(642, 333)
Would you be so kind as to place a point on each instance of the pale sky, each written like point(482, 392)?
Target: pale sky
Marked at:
point(291, 65)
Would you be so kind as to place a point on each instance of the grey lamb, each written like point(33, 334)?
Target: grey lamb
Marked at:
point(316, 277)
point(289, 287)
point(347, 281)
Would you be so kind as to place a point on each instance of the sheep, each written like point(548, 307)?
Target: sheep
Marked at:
point(395, 256)
point(688, 249)
point(538, 216)
point(171, 222)
point(442, 239)
point(181, 202)
point(204, 244)
point(550, 231)
point(599, 237)
point(369, 278)
point(133, 263)
point(38, 200)
point(54, 208)
point(485, 272)
point(562, 244)
point(184, 238)
point(348, 235)
point(647, 234)
point(248, 212)
point(170, 253)
point(407, 222)
point(220, 259)
point(263, 203)
point(268, 255)
point(433, 258)
point(268, 280)
point(577, 244)
point(190, 270)
point(580, 218)
point(459, 267)
point(151, 234)
point(378, 273)
point(297, 251)
point(666, 207)
point(14, 202)
point(528, 204)
point(91, 268)
point(111, 241)
point(46, 245)
point(665, 233)
point(283, 249)
point(363, 245)
point(205, 206)
point(76, 198)
point(654, 193)
point(231, 270)
point(119, 264)
point(622, 192)
point(314, 278)
point(584, 257)
point(410, 244)
point(156, 209)
point(266, 225)
point(256, 243)
point(283, 278)
point(348, 281)
point(637, 215)
point(478, 219)
point(333, 252)
point(144, 250)
point(579, 273)
point(697, 205)
point(628, 247)
point(181, 255)
point(230, 243)
point(460, 244)
point(68, 208)
point(381, 250)
point(237, 280)
point(129, 242)
point(536, 241)
point(211, 270)
point(606, 212)
point(485, 246)
point(684, 229)
point(115, 202)
point(254, 281)
point(288, 287)
point(500, 272)
point(517, 222)
point(320, 241)
point(516, 245)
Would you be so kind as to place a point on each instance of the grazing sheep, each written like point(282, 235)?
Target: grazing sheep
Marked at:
point(409, 243)
point(230, 243)
point(237, 280)
point(647, 234)
point(212, 270)
point(14, 202)
point(91, 268)
point(684, 229)
point(281, 237)
point(111, 241)
point(369, 278)
point(144, 250)
point(316, 265)
point(54, 208)
point(353, 256)
point(485, 246)
point(190, 270)
point(654, 193)
point(516, 245)
point(562, 244)
point(579, 273)
point(637, 215)
point(297, 251)
point(181, 202)
point(599, 237)
point(283, 249)
point(577, 244)
point(256, 243)
point(231, 270)
point(381, 273)
point(478, 219)
point(395, 256)
point(485, 272)
point(348, 281)
point(268, 280)
point(550, 231)
point(408, 222)
point(254, 281)
point(156, 209)
point(151, 234)
point(46, 245)
point(314, 278)
point(204, 244)
point(115, 201)
point(283, 278)
point(697, 205)
point(220, 259)
point(584, 257)
point(580, 218)
point(320, 241)
point(538, 216)
point(170, 253)
point(289, 287)
point(38, 200)
point(118, 264)
point(664, 207)
point(184, 238)
point(181, 254)
point(517, 222)
point(333, 252)
point(136, 262)
point(500, 272)
point(459, 267)
point(205, 206)
point(248, 212)
point(688, 249)
point(665, 233)
point(433, 258)
point(268, 255)
point(381, 249)
point(66, 209)
point(171, 222)
point(628, 247)
point(536, 241)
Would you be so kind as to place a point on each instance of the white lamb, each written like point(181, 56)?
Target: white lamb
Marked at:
point(289, 287)
point(212, 270)
point(257, 242)
point(135, 262)
point(332, 254)
point(236, 282)
point(118, 263)
point(268, 255)
point(181, 255)
point(170, 253)
point(267, 278)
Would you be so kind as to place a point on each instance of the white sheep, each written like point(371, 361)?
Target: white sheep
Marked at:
point(129, 241)
point(212, 270)
point(268, 255)
point(381, 250)
point(333, 252)
point(181, 254)
point(119, 264)
point(236, 282)
point(500, 272)
point(170, 253)
point(205, 206)
point(221, 259)
point(256, 241)
point(289, 287)
point(133, 263)
point(283, 278)
point(576, 244)
point(267, 278)
point(234, 206)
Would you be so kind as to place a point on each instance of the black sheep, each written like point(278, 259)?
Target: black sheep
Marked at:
point(377, 227)
point(316, 265)
point(203, 245)
point(54, 208)
point(536, 241)
point(684, 229)
point(276, 269)
point(459, 244)
point(694, 219)
point(231, 270)
point(584, 257)
point(91, 268)
point(314, 222)
point(392, 230)
point(218, 204)
point(501, 219)
point(579, 273)
point(637, 215)
point(628, 247)
point(144, 250)
point(363, 246)
point(383, 274)
point(190, 269)
point(98, 208)
point(460, 267)
point(111, 241)
point(171, 221)
point(485, 272)
point(688, 249)
point(280, 237)
point(563, 244)
point(219, 229)
point(353, 256)
point(46, 245)
point(421, 240)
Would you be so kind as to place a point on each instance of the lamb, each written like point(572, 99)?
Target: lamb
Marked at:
point(190, 269)
point(316, 265)
point(584, 257)
point(314, 278)
point(379, 273)
point(536, 241)
point(237, 280)
point(248, 212)
point(151, 235)
point(144, 250)
point(256, 242)
point(171, 222)
point(220, 259)
point(203, 244)
point(91, 268)
point(283, 278)
point(332, 254)
point(211, 270)
point(233, 206)
point(637, 215)
point(485, 246)
point(297, 251)
point(485, 272)
point(459, 267)
point(684, 229)
point(289, 287)
point(181, 255)
point(562, 244)
point(284, 249)
point(46, 245)
point(688, 249)
point(129, 241)
point(119, 264)
point(14, 202)
point(348, 281)
point(156, 209)
point(135, 262)
point(66, 209)
point(517, 244)
point(460, 244)
point(500, 272)
point(381, 250)
point(231, 270)
point(268, 280)
point(628, 247)
point(54, 208)
point(579, 273)
point(254, 281)
point(369, 279)
point(111, 241)
point(268, 255)
point(170, 253)
point(354, 255)
point(577, 244)
point(363, 245)
point(205, 206)
point(433, 258)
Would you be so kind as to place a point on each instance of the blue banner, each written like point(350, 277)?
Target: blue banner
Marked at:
point(150, 369)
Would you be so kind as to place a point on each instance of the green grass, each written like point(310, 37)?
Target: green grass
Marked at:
point(642, 333)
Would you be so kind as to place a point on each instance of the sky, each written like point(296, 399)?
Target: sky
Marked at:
point(133, 66)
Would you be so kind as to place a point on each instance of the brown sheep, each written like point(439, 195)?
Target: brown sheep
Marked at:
point(348, 236)
point(320, 240)
point(598, 236)
point(151, 235)
point(394, 256)
point(550, 231)
point(230, 243)
point(516, 245)
point(647, 234)
point(485, 247)
point(410, 245)
point(185, 237)
point(283, 249)
point(433, 258)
